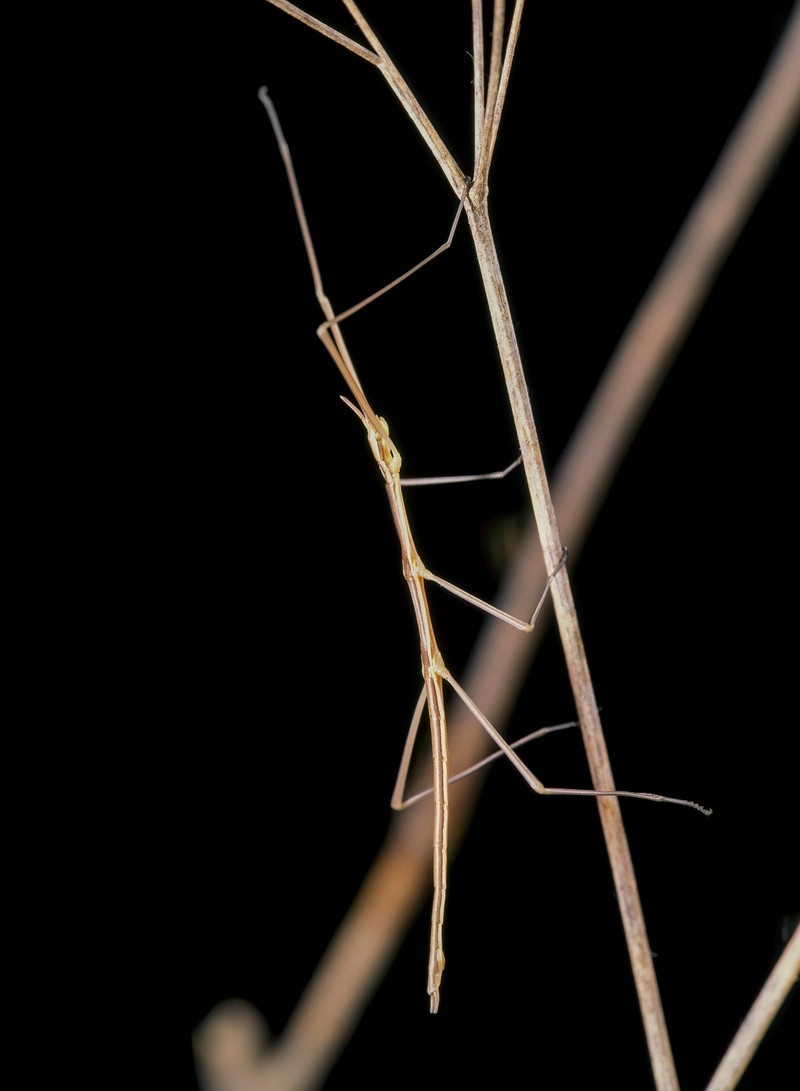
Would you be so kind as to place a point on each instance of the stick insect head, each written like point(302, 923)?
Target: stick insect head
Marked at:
point(386, 454)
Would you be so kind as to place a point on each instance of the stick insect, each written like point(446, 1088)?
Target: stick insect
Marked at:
point(434, 670)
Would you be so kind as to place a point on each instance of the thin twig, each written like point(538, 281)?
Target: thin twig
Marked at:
point(329, 32)
point(478, 80)
point(577, 666)
point(495, 69)
point(784, 976)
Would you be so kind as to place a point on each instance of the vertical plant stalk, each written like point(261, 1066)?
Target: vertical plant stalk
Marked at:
point(577, 666)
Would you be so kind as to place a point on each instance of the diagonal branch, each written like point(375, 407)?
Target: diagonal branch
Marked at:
point(575, 656)
point(409, 103)
point(782, 979)
point(323, 28)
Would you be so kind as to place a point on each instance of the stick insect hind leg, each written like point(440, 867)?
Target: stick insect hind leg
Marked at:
point(503, 746)
point(432, 696)
point(434, 671)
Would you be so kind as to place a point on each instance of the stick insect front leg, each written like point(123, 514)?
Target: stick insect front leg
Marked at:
point(434, 671)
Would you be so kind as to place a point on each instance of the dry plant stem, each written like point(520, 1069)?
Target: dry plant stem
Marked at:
point(577, 666)
point(397, 884)
point(492, 121)
point(655, 1026)
point(477, 80)
point(669, 308)
point(784, 975)
point(495, 67)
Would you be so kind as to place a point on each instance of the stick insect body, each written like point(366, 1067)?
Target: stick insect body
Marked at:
point(434, 671)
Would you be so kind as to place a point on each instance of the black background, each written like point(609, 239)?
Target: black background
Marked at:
point(285, 641)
